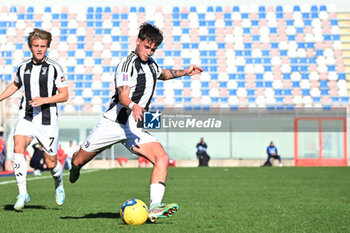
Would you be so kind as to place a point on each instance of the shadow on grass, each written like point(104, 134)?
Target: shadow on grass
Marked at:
point(38, 207)
point(97, 215)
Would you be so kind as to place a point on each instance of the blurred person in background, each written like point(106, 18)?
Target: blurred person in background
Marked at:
point(202, 154)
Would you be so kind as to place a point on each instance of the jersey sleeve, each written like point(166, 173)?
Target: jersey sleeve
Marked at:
point(158, 70)
point(123, 74)
point(60, 80)
point(17, 77)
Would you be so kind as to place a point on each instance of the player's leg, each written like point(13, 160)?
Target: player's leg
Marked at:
point(56, 170)
point(48, 136)
point(20, 169)
point(102, 136)
point(155, 153)
point(79, 159)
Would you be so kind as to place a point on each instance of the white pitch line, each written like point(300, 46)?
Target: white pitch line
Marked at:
point(46, 177)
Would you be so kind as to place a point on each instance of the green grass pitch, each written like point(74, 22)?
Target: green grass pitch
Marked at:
point(271, 199)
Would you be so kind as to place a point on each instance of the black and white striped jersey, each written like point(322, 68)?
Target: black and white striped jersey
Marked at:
point(141, 77)
point(39, 80)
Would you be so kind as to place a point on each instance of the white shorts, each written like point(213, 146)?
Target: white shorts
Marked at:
point(47, 135)
point(107, 132)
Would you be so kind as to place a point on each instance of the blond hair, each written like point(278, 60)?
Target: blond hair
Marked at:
point(39, 34)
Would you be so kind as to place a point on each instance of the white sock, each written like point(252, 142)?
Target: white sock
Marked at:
point(57, 174)
point(20, 170)
point(156, 194)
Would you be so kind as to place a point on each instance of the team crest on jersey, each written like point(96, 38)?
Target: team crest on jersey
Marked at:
point(125, 77)
point(44, 70)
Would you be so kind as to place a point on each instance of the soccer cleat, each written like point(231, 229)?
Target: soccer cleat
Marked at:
point(162, 211)
point(60, 196)
point(21, 200)
point(74, 174)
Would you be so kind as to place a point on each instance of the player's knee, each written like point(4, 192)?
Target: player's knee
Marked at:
point(18, 149)
point(50, 164)
point(163, 159)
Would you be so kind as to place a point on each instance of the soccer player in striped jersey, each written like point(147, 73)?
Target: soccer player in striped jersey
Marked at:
point(135, 81)
point(43, 83)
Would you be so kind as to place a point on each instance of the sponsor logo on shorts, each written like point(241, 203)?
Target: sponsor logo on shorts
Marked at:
point(152, 120)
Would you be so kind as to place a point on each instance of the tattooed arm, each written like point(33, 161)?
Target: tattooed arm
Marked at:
point(170, 73)
point(123, 95)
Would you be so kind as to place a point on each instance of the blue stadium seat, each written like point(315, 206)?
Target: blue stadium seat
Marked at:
point(205, 92)
point(70, 77)
point(235, 9)
point(278, 92)
point(259, 76)
point(232, 76)
point(316, 99)
point(341, 76)
point(295, 84)
point(142, 9)
point(105, 100)
point(344, 99)
point(251, 92)
point(305, 76)
point(324, 92)
point(13, 9)
point(279, 107)
point(323, 8)
point(107, 84)
point(187, 99)
point(193, 9)
point(78, 108)
point(160, 92)
point(259, 84)
point(232, 92)
point(96, 92)
point(296, 8)
point(270, 107)
point(327, 107)
point(244, 15)
point(287, 92)
point(268, 83)
point(210, 9)
point(279, 100)
point(178, 100)
point(241, 76)
point(47, 9)
point(8, 77)
point(279, 8)
point(335, 99)
point(305, 92)
point(105, 92)
point(314, 8)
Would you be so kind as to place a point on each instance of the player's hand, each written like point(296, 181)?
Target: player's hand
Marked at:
point(37, 101)
point(137, 112)
point(193, 69)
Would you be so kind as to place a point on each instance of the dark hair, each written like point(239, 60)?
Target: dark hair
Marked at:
point(151, 33)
